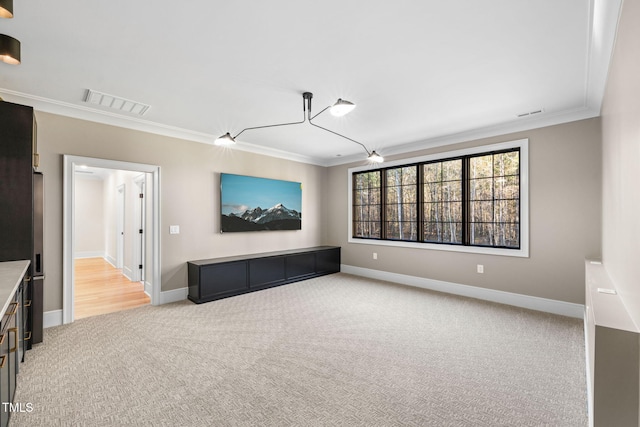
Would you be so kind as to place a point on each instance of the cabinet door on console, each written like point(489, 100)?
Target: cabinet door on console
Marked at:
point(266, 271)
point(301, 265)
point(219, 279)
point(328, 261)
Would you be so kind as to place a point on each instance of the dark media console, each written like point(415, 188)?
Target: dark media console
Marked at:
point(212, 279)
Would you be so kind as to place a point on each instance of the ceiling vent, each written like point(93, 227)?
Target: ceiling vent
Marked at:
point(531, 113)
point(115, 102)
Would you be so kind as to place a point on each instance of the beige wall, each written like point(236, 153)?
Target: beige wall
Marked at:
point(621, 162)
point(89, 219)
point(565, 174)
point(189, 194)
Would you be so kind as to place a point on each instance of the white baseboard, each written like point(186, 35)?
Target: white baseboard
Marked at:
point(175, 295)
point(52, 318)
point(147, 288)
point(518, 300)
point(89, 254)
point(110, 260)
point(126, 272)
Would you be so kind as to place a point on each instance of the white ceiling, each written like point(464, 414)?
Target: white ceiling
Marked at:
point(422, 72)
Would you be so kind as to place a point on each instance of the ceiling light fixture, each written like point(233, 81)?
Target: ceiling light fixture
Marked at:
point(6, 8)
point(9, 50)
point(340, 108)
point(9, 47)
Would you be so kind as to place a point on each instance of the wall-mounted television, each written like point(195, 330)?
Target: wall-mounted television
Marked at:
point(249, 203)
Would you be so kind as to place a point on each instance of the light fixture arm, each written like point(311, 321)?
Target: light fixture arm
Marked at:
point(325, 109)
point(272, 126)
point(345, 137)
point(306, 113)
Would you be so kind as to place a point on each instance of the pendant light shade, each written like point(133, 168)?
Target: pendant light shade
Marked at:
point(342, 107)
point(9, 50)
point(6, 8)
point(375, 157)
point(225, 140)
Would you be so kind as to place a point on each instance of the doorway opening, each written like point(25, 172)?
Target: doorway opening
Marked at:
point(109, 242)
point(111, 230)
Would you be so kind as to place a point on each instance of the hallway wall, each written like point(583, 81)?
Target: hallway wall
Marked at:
point(90, 217)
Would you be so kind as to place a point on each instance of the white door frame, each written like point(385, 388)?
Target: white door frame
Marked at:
point(139, 239)
point(153, 272)
point(120, 205)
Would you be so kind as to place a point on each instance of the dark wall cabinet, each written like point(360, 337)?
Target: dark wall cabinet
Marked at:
point(12, 346)
point(21, 206)
point(216, 278)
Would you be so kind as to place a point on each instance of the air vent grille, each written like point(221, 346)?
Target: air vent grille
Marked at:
point(115, 102)
point(531, 113)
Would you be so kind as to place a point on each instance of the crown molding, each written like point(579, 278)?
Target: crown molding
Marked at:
point(82, 112)
point(519, 125)
point(603, 25)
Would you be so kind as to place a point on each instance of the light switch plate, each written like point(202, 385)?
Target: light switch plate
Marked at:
point(174, 229)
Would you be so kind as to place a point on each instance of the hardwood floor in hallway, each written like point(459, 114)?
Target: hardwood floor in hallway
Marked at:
point(101, 288)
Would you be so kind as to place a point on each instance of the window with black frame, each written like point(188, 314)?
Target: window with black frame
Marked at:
point(442, 206)
point(471, 200)
point(494, 199)
point(367, 203)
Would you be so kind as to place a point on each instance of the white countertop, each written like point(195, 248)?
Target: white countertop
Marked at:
point(11, 273)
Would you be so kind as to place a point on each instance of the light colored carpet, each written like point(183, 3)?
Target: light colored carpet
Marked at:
point(332, 351)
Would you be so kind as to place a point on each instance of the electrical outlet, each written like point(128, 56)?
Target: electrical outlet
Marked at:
point(375, 255)
point(480, 268)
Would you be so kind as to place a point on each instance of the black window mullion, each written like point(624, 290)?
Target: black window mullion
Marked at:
point(493, 200)
point(420, 202)
point(383, 204)
point(466, 196)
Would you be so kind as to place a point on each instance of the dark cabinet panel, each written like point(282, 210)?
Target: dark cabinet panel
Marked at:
point(16, 181)
point(4, 375)
point(34, 297)
point(223, 277)
point(11, 352)
point(328, 261)
point(266, 271)
point(301, 265)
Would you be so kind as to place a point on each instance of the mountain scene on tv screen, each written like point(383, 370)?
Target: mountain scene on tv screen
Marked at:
point(278, 217)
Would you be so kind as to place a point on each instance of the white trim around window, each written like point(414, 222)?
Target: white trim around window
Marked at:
point(522, 144)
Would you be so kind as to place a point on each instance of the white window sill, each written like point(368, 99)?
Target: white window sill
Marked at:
point(521, 253)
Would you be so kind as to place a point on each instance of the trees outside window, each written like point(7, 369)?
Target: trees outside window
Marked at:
point(401, 203)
